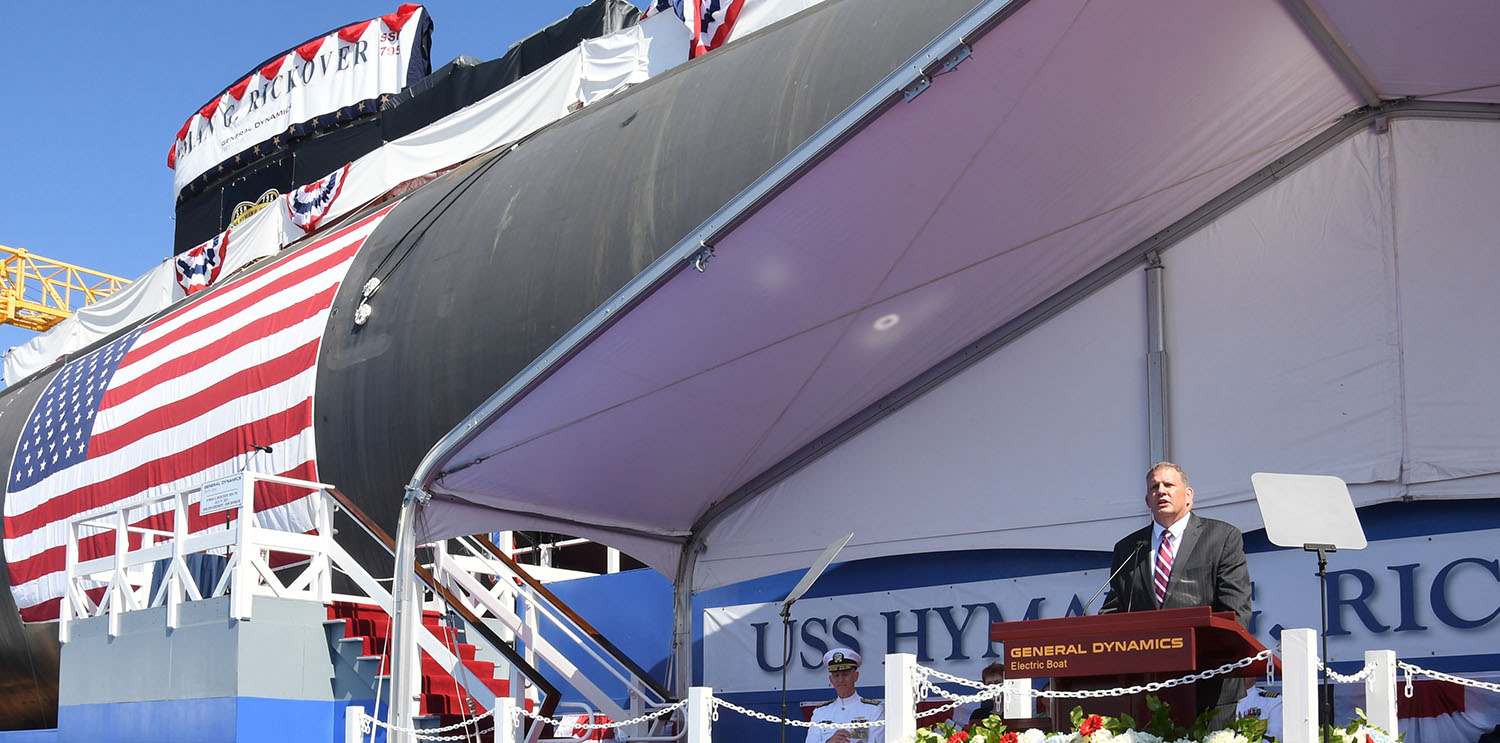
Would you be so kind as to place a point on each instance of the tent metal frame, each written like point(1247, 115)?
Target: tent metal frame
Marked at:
point(888, 93)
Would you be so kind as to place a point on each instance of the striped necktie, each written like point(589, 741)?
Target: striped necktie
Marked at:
point(1164, 567)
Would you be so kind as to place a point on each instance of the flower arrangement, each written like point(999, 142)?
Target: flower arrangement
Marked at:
point(1359, 730)
point(1159, 729)
point(1104, 729)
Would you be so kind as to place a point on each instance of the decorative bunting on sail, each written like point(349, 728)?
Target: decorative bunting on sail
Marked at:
point(308, 204)
point(322, 76)
point(199, 267)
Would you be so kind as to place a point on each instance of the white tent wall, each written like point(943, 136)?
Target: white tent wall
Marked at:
point(1281, 333)
point(1336, 323)
point(1446, 223)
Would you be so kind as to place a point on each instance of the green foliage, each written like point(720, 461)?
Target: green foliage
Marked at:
point(1161, 724)
point(1201, 726)
point(1117, 725)
point(1253, 730)
point(990, 728)
point(1076, 717)
point(938, 733)
point(1360, 724)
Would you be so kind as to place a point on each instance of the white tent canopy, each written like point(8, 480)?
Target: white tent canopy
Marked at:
point(970, 259)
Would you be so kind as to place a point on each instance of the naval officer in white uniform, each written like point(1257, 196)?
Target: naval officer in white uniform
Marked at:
point(843, 672)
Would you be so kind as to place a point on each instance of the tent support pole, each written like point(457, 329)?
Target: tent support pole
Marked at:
point(405, 662)
point(1156, 360)
point(682, 615)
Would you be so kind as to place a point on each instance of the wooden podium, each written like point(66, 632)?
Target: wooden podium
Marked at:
point(1114, 650)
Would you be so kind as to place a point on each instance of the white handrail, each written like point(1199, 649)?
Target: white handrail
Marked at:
point(153, 534)
point(477, 562)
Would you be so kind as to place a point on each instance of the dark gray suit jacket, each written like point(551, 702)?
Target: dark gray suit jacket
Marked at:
point(1209, 570)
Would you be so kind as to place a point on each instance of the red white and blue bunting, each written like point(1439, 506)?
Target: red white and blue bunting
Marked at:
point(307, 205)
point(340, 72)
point(199, 267)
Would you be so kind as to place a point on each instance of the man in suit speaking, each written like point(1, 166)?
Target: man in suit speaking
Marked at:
point(1179, 560)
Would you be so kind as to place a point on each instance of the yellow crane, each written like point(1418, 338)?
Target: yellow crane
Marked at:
point(37, 292)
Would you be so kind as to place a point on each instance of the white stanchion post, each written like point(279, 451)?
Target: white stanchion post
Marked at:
point(700, 714)
point(507, 722)
point(1017, 699)
point(1380, 689)
point(244, 572)
point(900, 697)
point(354, 723)
point(1299, 685)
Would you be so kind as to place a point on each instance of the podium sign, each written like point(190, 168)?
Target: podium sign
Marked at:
point(221, 494)
point(1168, 649)
point(1116, 650)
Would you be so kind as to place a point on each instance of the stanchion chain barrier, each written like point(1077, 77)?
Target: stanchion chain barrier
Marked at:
point(935, 673)
point(368, 723)
point(1412, 671)
point(435, 733)
point(1341, 678)
point(669, 709)
point(716, 703)
point(926, 685)
point(922, 683)
point(1158, 685)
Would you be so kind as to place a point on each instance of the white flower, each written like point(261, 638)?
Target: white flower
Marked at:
point(1102, 735)
point(1225, 736)
point(1143, 737)
point(1033, 735)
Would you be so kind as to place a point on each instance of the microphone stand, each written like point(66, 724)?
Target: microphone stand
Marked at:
point(811, 575)
point(1128, 561)
point(786, 658)
point(1325, 700)
point(245, 467)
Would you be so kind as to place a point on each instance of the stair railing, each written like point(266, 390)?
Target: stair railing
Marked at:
point(152, 535)
point(495, 586)
point(550, 694)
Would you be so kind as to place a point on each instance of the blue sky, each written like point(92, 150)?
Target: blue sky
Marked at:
point(94, 92)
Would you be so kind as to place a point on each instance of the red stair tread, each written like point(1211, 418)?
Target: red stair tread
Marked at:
point(441, 693)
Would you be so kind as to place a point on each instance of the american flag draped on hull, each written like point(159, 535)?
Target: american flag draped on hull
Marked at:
point(173, 404)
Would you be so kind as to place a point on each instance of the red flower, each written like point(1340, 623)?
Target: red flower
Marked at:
point(1090, 725)
point(1010, 737)
point(958, 737)
point(1369, 738)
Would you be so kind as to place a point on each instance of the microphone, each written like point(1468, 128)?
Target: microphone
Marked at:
point(1128, 560)
point(258, 449)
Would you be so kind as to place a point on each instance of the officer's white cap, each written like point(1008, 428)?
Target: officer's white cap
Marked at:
point(841, 659)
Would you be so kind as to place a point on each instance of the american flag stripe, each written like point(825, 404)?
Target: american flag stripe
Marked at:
point(231, 363)
point(39, 599)
point(280, 369)
point(40, 530)
point(160, 442)
point(275, 500)
point(267, 497)
point(180, 466)
point(239, 298)
point(158, 346)
point(246, 340)
point(176, 404)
